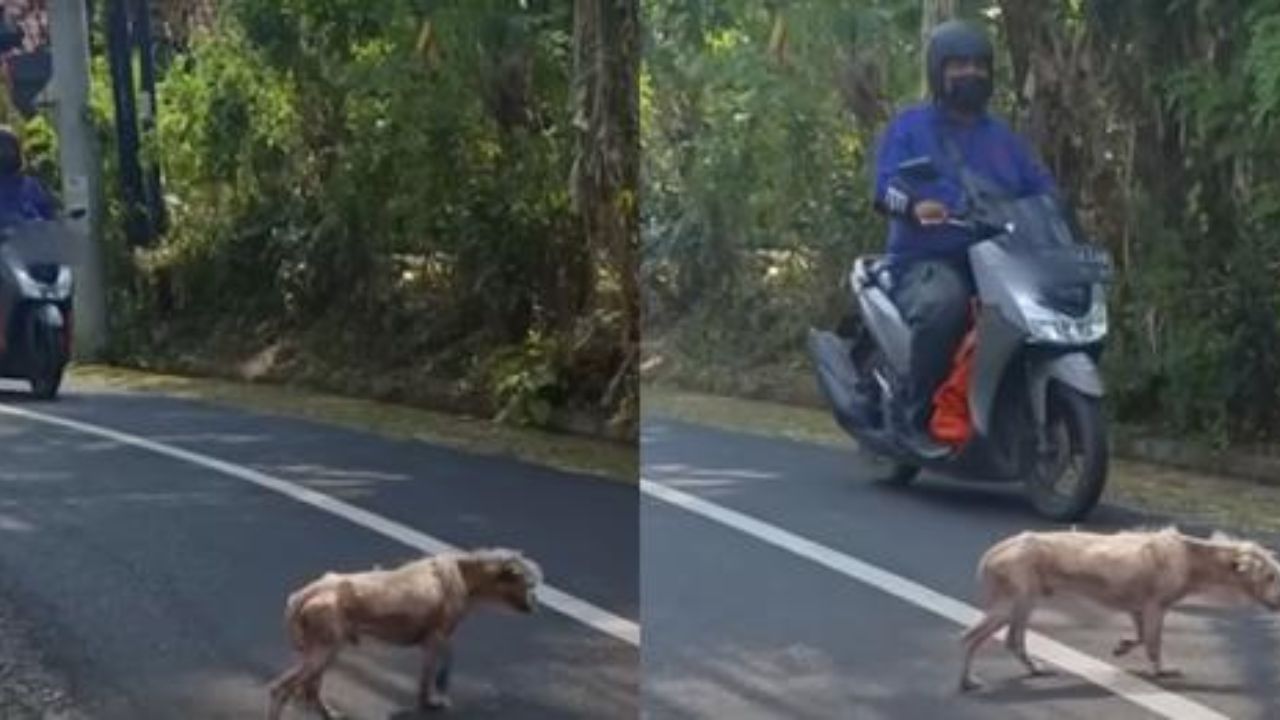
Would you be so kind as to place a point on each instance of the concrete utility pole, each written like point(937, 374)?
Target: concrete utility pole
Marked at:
point(81, 172)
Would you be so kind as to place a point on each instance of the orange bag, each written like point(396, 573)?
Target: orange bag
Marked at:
point(949, 423)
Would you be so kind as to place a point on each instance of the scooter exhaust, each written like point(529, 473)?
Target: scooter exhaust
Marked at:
point(839, 382)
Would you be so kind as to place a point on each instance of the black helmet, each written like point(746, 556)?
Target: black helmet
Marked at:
point(10, 152)
point(954, 39)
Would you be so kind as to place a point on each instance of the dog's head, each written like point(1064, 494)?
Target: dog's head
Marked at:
point(1257, 573)
point(506, 577)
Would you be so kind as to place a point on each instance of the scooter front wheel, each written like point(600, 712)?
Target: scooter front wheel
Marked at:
point(1071, 472)
point(48, 362)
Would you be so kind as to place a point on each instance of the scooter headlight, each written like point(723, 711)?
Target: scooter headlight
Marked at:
point(1057, 328)
point(30, 287)
point(62, 285)
point(27, 284)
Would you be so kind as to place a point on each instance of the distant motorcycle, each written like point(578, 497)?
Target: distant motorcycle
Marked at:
point(1034, 389)
point(36, 287)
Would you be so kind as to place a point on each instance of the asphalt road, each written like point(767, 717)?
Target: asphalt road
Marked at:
point(737, 626)
point(155, 587)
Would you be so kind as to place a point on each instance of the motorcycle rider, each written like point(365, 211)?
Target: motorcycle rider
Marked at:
point(927, 258)
point(22, 196)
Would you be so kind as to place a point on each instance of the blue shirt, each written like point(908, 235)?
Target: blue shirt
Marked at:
point(23, 197)
point(988, 147)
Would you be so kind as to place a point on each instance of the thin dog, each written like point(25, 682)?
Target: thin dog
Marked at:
point(420, 603)
point(1142, 573)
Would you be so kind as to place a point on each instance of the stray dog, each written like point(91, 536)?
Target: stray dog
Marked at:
point(419, 604)
point(1143, 573)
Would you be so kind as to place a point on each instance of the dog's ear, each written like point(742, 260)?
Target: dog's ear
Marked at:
point(1244, 562)
point(520, 568)
point(509, 570)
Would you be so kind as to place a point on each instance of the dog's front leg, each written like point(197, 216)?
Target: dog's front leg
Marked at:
point(1152, 630)
point(444, 667)
point(437, 660)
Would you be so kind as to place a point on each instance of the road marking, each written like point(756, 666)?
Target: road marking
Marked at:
point(1105, 675)
point(560, 601)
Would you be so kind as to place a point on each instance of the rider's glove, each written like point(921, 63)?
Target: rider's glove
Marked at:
point(897, 202)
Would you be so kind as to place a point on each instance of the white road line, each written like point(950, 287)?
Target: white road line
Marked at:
point(562, 602)
point(1110, 677)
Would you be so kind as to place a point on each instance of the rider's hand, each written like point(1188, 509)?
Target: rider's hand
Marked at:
point(930, 212)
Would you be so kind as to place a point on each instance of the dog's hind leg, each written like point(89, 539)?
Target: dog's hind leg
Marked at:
point(282, 688)
point(1016, 639)
point(1128, 644)
point(303, 678)
point(996, 618)
point(311, 692)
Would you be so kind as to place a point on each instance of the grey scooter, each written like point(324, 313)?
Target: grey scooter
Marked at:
point(1034, 390)
point(36, 289)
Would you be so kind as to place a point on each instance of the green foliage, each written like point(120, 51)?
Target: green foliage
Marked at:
point(40, 149)
point(525, 380)
point(398, 168)
point(753, 165)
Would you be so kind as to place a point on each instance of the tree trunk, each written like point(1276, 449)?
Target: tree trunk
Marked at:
point(606, 166)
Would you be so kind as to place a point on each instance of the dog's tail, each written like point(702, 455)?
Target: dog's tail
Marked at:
point(293, 616)
point(989, 592)
point(987, 573)
point(347, 602)
point(293, 619)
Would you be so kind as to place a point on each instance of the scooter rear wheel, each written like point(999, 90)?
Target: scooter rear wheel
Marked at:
point(1078, 447)
point(901, 475)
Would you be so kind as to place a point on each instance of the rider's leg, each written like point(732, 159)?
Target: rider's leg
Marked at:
point(933, 297)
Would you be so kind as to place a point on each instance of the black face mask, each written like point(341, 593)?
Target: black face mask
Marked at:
point(967, 94)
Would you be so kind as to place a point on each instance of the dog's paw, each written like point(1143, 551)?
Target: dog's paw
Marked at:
point(326, 712)
point(969, 683)
point(437, 703)
point(1124, 647)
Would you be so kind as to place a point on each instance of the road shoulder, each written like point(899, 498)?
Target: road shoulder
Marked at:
point(1195, 497)
point(596, 457)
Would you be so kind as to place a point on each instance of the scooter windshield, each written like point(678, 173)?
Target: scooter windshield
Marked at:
point(1038, 223)
point(1039, 235)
